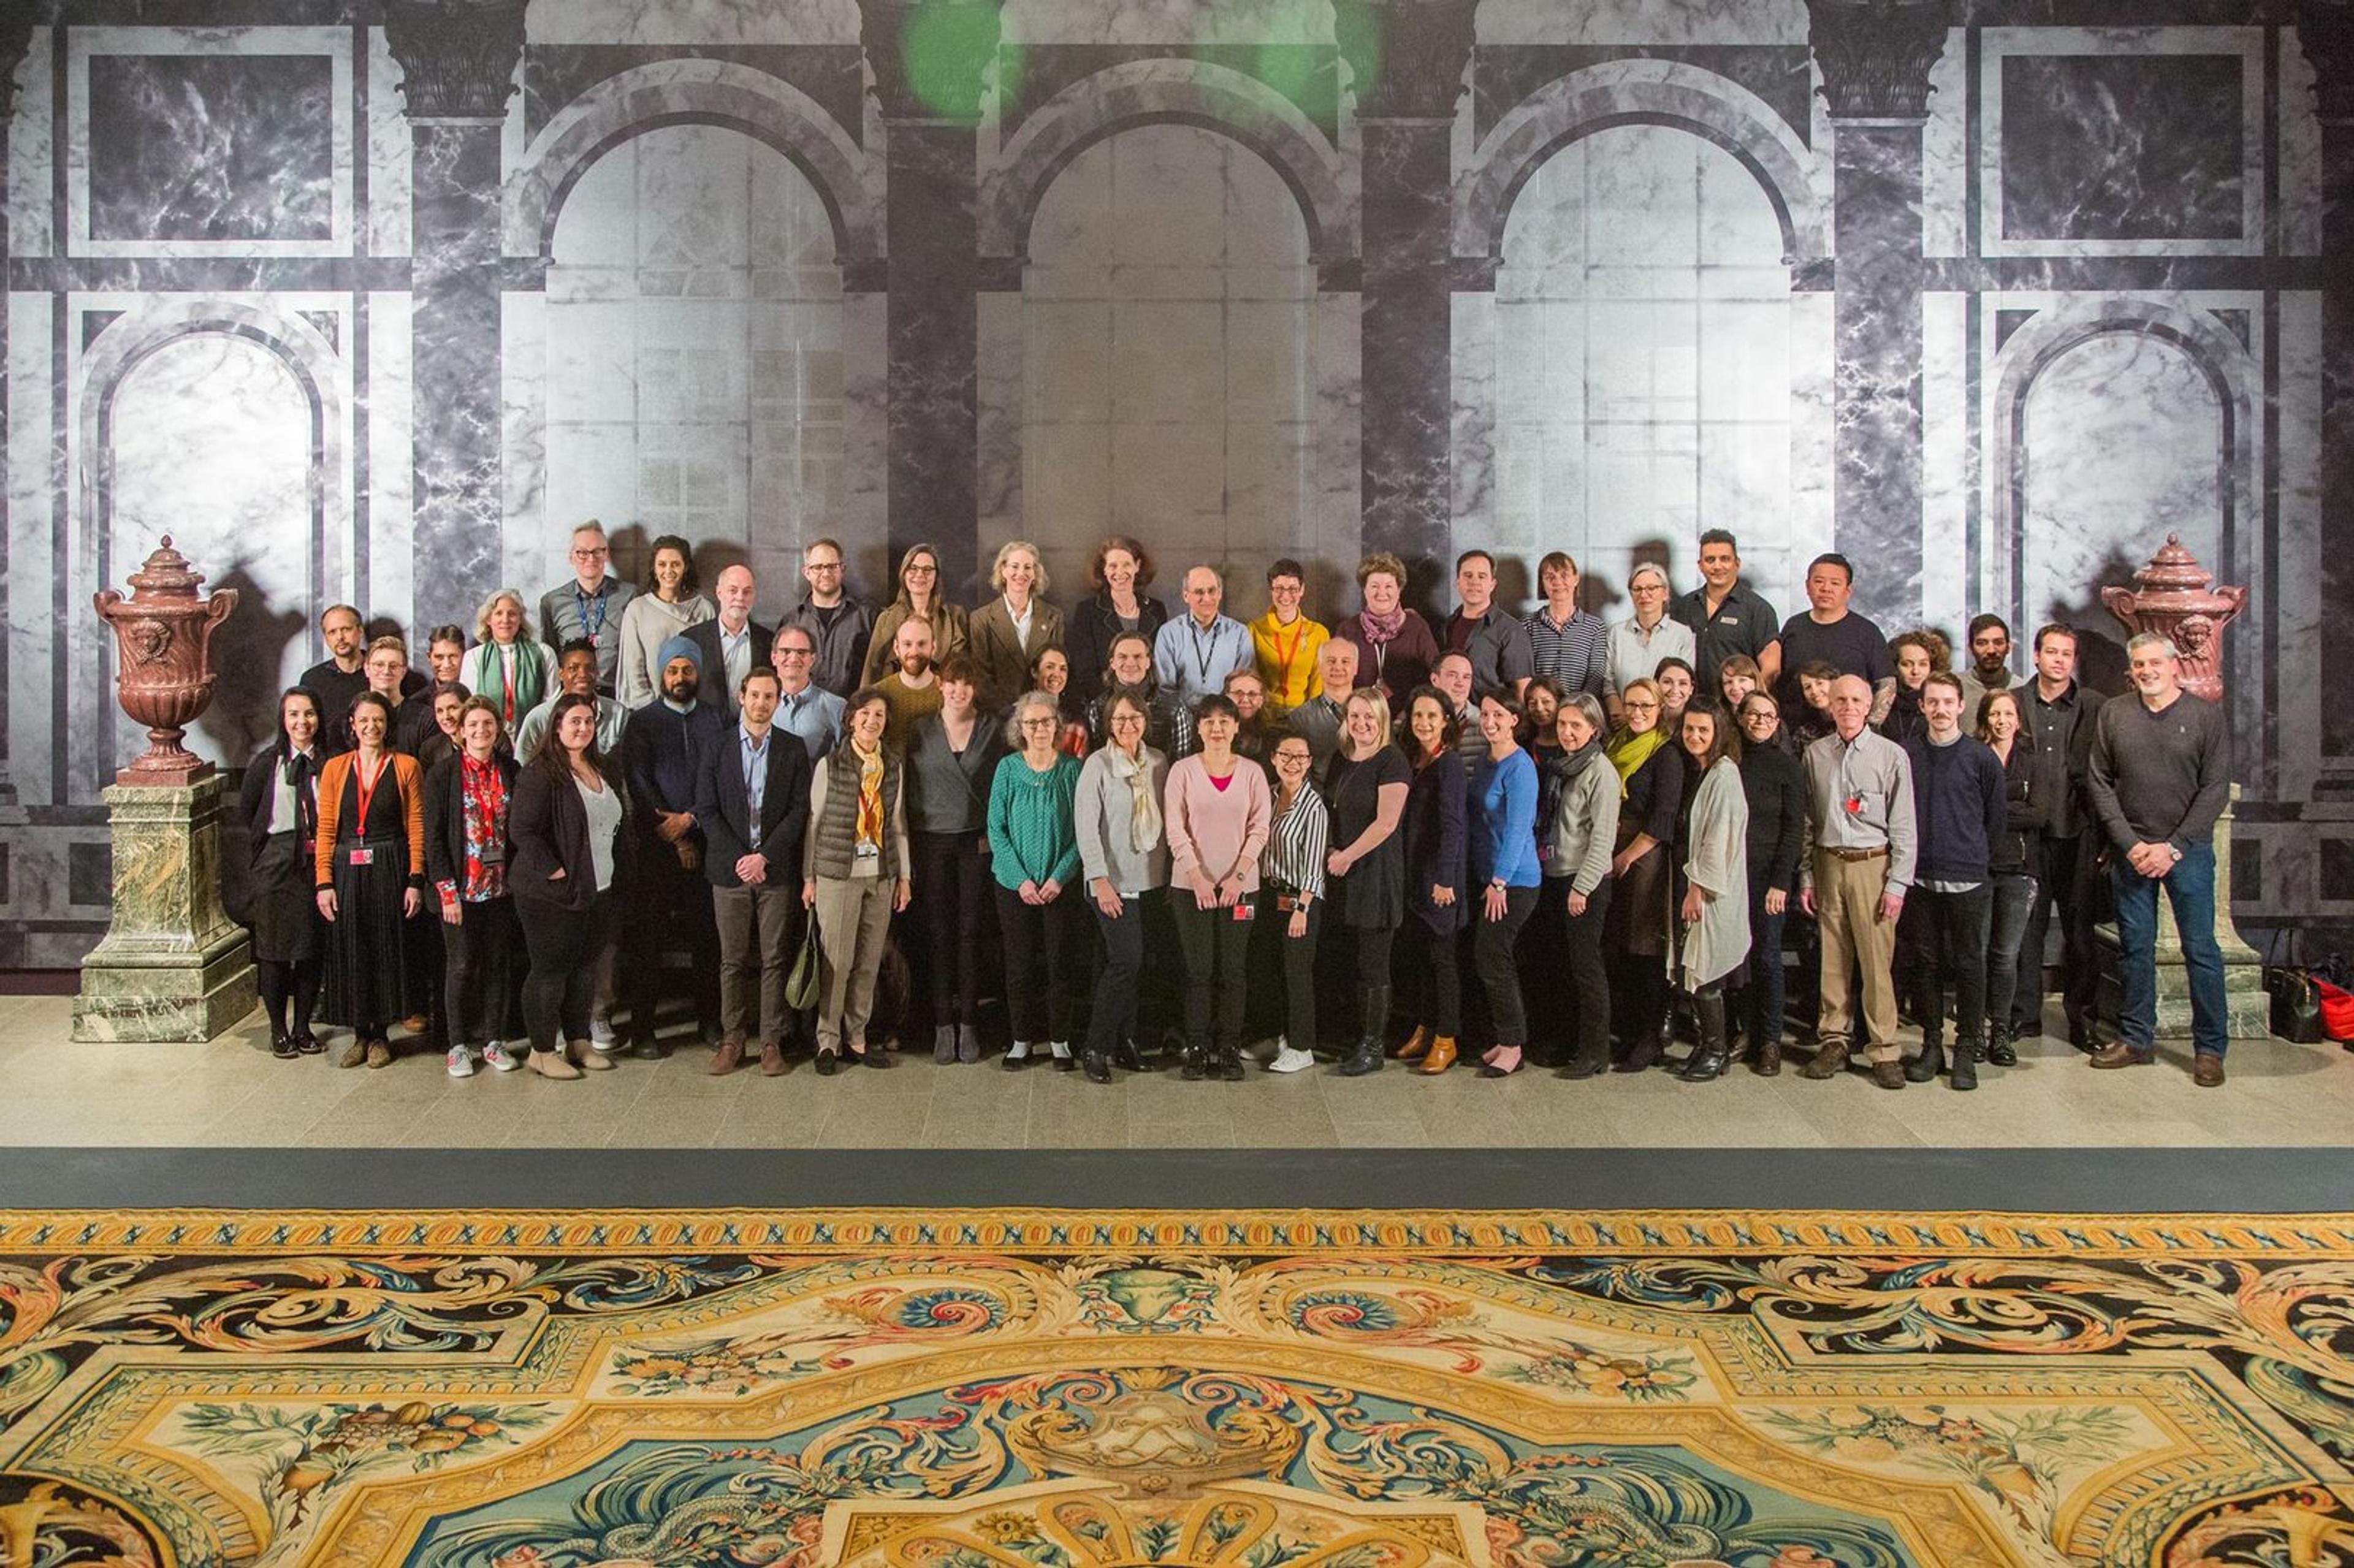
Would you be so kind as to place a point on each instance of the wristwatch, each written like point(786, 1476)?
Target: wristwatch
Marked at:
point(2175, 851)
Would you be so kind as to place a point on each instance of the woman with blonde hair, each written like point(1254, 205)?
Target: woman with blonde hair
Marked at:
point(1008, 631)
point(507, 664)
point(920, 598)
point(1367, 782)
point(1652, 776)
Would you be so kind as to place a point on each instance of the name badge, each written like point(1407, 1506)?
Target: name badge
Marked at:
point(494, 854)
point(1854, 805)
point(1243, 912)
point(363, 857)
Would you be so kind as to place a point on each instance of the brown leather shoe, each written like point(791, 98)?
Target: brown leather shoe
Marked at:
point(1767, 1060)
point(2117, 1053)
point(772, 1059)
point(1830, 1060)
point(1888, 1074)
point(2207, 1070)
point(1440, 1056)
point(584, 1054)
point(354, 1054)
point(1416, 1045)
point(726, 1059)
point(379, 1054)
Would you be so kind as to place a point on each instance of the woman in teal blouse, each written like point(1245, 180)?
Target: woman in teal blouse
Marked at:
point(1033, 854)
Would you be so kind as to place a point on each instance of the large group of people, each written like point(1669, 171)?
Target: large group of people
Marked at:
point(1542, 840)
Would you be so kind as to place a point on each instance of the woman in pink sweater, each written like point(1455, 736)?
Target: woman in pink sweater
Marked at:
point(1217, 809)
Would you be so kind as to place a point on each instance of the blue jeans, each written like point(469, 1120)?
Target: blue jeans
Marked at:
point(2191, 888)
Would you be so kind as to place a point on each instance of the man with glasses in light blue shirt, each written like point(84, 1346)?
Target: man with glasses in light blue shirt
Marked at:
point(804, 708)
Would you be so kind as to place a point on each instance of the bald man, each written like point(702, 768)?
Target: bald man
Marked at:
point(1860, 820)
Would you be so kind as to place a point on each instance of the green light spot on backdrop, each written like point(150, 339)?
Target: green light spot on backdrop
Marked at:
point(1358, 31)
point(946, 49)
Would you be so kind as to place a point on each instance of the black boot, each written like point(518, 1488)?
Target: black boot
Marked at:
point(1194, 1062)
point(1124, 1056)
point(1925, 1067)
point(1640, 1057)
point(1097, 1066)
point(1366, 1056)
point(1965, 1066)
point(1999, 1051)
point(1588, 1064)
point(1229, 1058)
point(1708, 1058)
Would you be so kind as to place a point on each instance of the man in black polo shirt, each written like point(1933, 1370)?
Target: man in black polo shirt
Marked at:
point(1727, 616)
point(2058, 715)
point(1496, 641)
point(1829, 631)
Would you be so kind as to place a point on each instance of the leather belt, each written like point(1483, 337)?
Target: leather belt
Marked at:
point(1853, 854)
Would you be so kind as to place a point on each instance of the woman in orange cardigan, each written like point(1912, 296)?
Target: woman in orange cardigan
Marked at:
point(370, 876)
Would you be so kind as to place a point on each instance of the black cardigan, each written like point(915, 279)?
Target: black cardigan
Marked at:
point(445, 815)
point(1775, 786)
point(548, 828)
point(1087, 633)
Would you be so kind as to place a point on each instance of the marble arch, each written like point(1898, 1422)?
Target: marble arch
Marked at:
point(1164, 91)
point(1641, 92)
point(2040, 343)
point(692, 91)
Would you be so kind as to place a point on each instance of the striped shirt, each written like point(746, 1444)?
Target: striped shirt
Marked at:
point(1295, 846)
point(1576, 652)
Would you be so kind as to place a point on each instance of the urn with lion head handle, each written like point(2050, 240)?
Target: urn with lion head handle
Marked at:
point(2175, 597)
point(162, 634)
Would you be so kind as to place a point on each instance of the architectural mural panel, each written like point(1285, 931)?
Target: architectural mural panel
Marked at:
point(369, 300)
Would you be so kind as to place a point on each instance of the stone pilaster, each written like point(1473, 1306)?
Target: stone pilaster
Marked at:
point(1407, 58)
point(931, 60)
point(174, 967)
point(457, 59)
point(16, 39)
point(1875, 57)
point(2326, 28)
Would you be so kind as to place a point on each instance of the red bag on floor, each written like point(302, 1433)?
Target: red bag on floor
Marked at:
point(2336, 1010)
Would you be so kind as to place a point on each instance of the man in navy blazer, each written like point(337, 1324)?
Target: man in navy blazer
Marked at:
point(662, 755)
point(729, 646)
point(752, 808)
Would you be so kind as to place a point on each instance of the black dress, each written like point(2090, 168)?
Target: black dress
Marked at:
point(1371, 896)
point(371, 978)
point(286, 925)
point(1637, 920)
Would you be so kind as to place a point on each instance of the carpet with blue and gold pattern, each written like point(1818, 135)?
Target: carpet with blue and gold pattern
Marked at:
point(1065, 1388)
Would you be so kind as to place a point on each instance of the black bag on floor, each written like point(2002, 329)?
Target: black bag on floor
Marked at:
point(2297, 1000)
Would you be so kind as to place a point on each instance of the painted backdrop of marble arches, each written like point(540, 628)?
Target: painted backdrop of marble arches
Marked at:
point(919, 280)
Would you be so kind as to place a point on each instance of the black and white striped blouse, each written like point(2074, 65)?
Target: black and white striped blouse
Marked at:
point(1294, 858)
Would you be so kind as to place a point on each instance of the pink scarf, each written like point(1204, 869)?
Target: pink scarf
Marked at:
point(1381, 629)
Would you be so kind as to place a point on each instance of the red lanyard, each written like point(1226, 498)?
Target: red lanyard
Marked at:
point(365, 783)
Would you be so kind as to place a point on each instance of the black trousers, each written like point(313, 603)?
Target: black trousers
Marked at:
point(1494, 951)
point(1283, 973)
point(666, 898)
point(1119, 984)
point(1953, 929)
point(2064, 880)
point(1540, 951)
point(1216, 944)
point(952, 895)
point(482, 974)
point(564, 944)
point(1590, 976)
point(1434, 987)
point(1042, 962)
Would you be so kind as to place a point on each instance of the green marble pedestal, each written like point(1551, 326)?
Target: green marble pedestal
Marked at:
point(174, 967)
point(2247, 1005)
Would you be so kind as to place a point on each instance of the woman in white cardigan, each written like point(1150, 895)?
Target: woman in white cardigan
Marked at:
point(1710, 910)
point(669, 604)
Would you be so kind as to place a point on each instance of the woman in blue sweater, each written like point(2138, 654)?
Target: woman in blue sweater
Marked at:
point(1033, 853)
point(1504, 867)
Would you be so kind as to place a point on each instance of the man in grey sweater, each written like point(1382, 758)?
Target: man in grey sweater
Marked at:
point(2160, 776)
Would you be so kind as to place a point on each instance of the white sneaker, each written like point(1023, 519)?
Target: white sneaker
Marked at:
point(1288, 1060)
point(462, 1061)
point(496, 1054)
point(601, 1032)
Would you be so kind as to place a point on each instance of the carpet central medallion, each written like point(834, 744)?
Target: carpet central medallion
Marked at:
point(1051, 1391)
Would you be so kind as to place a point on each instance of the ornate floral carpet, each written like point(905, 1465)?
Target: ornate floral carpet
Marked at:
point(1074, 1390)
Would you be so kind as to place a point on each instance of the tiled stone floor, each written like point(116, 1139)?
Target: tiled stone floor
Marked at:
point(230, 1093)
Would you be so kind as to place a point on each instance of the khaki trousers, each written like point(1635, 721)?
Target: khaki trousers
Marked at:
point(854, 920)
point(1847, 910)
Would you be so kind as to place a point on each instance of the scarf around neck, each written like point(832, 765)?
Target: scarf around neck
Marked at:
point(870, 795)
point(1381, 629)
point(1143, 800)
point(1629, 751)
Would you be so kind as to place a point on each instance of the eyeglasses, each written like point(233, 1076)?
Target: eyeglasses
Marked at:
point(921, 571)
point(824, 565)
point(1291, 756)
point(1044, 721)
point(598, 554)
point(796, 653)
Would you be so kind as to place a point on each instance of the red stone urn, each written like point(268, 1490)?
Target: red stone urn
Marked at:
point(2176, 597)
point(163, 636)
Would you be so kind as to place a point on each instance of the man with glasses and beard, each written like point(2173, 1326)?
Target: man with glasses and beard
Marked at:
point(663, 753)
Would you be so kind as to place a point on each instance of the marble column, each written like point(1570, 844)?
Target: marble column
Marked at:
point(1875, 57)
point(16, 39)
point(1409, 60)
point(457, 59)
point(174, 967)
point(2326, 28)
point(929, 83)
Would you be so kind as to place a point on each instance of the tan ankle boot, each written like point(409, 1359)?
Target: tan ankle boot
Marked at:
point(1441, 1056)
point(1416, 1044)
